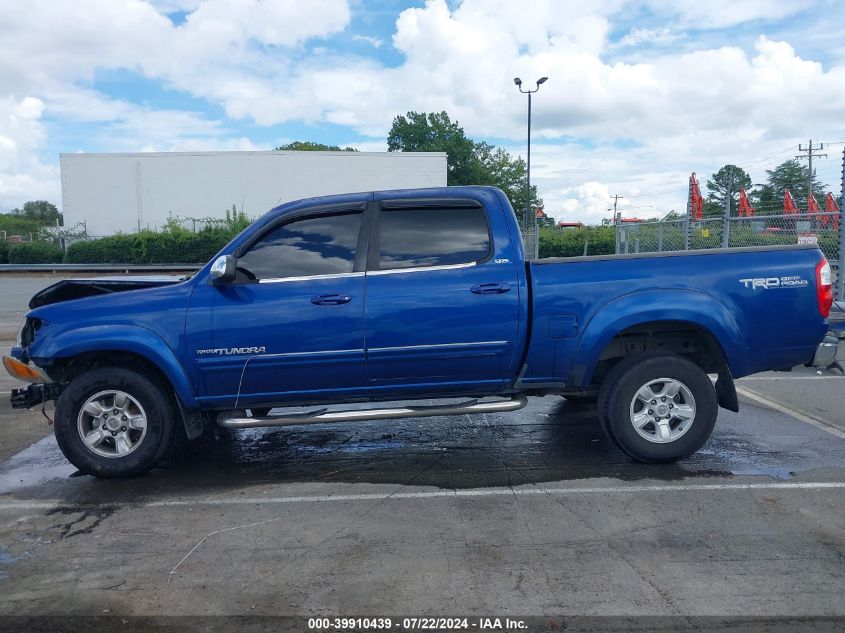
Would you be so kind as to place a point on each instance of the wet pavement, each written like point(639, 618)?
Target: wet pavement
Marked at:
point(532, 512)
point(551, 440)
point(524, 513)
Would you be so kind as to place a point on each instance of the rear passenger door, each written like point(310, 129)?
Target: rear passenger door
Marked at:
point(442, 308)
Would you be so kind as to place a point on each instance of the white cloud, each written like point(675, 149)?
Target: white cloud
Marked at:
point(274, 22)
point(372, 41)
point(172, 6)
point(463, 61)
point(724, 13)
point(641, 122)
point(50, 52)
point(203, 144)
point(21, 138)
point(660, 36)
point(586, 201)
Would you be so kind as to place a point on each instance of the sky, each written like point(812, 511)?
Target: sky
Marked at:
point(640, 94)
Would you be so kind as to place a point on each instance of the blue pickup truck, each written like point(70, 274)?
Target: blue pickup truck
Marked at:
point(415, 295)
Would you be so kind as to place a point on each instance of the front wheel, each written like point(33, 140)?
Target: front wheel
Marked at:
point(658, 408)
point(114, 422)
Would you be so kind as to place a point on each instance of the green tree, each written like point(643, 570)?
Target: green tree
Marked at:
point(546, 222)
point(40, 211)
point(435, 132)
point(467, 162)
point(792, 175)
point(311, 146)
point(500, 169)
point(729, 177)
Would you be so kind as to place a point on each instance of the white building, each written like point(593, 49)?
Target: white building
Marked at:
point(125, 192)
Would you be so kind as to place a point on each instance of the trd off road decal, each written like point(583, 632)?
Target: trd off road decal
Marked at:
point(771, 283)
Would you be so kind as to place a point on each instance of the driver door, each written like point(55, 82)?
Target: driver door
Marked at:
point(291, 329)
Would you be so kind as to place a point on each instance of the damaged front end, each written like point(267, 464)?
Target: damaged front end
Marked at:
point(19, 363)
point(34, 395)
point(70, 289)
point(41, 389)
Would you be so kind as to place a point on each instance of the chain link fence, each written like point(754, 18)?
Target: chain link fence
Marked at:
point(529, 243)
point(822, 229)
point(678, 234)
point(826, 229)
point(651, 237)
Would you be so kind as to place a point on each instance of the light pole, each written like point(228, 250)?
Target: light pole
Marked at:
point(528, 213)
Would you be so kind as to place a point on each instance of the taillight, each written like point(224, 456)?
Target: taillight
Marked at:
point(824, 288)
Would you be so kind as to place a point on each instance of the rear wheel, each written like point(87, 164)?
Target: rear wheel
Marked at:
point(658, 408)
point(114, 422)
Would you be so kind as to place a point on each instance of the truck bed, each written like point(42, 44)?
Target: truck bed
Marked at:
point(757, 327)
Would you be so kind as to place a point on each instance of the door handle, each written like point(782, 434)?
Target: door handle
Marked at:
point(490, 289)
point(330, 300)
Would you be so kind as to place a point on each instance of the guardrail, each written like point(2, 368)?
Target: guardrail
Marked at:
point(83, 268)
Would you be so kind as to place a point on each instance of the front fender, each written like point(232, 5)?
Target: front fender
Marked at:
point(120, 338)
point(638, 308)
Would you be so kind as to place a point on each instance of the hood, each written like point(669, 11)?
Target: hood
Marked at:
point(69, 289)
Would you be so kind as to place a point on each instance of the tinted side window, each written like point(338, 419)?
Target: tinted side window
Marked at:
point(321, 245)
point(432, 237)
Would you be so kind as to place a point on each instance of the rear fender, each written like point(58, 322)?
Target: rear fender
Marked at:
point(650, 306)
point(128, 338)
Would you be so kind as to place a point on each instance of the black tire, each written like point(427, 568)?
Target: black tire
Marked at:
point(149, 391)
point(621, 386)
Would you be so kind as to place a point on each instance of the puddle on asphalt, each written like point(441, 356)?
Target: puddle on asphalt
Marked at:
point(38, 464)
point(548, 441)
point(7, 559)
point(775, 472)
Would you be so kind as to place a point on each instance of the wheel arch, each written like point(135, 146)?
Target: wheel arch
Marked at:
point(121, 345)
point(647, 312)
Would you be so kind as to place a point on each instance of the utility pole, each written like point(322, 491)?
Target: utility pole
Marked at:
point(840, 269)
point(808, 153)
point(689, 215)
point(616, 201)
point(616, 221)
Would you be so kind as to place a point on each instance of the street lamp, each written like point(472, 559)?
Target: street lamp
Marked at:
point(518, 83)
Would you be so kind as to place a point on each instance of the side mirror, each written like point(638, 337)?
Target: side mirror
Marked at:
point(223, 270)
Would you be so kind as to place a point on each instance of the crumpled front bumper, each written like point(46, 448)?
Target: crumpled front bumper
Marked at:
point(33, 395)
point(42, 389)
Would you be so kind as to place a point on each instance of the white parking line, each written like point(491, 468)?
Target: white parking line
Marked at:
point(798, 415)
point(791, 378)
point(437, 494)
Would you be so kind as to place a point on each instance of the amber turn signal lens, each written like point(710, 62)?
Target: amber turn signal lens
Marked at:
point(22, 371)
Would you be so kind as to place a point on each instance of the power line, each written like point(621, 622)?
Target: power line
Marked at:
point(763, 160)
point(753, 163)
point(654, 193)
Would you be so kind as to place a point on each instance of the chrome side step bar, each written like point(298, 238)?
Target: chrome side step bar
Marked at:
point(234, 420)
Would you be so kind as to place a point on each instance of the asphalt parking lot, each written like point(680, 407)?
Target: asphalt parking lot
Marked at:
point(526, 513)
